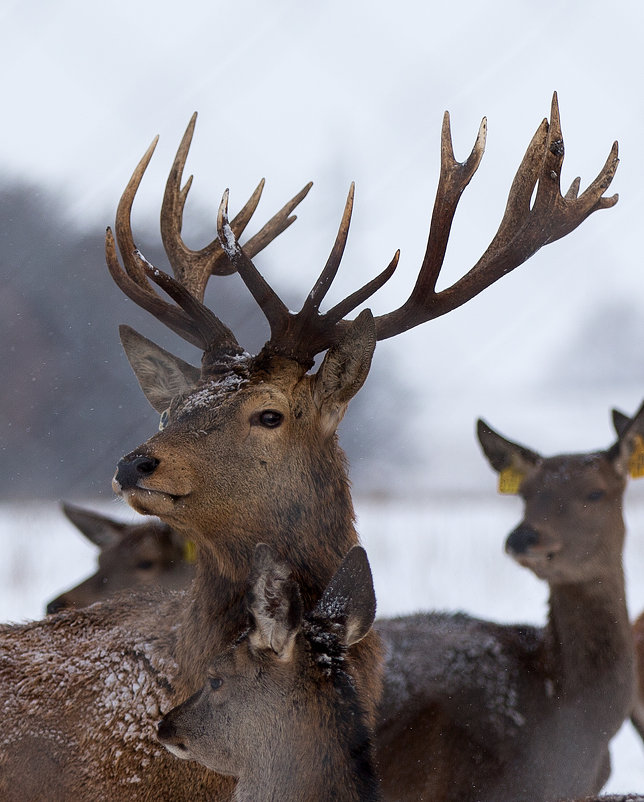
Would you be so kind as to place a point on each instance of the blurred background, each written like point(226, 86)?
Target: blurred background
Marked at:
point(330, 92)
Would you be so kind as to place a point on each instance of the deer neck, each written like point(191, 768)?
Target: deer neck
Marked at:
point(312, 534)
point(320, 766)
point(589, 639)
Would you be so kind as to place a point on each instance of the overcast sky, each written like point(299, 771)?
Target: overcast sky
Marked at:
point(340, 91)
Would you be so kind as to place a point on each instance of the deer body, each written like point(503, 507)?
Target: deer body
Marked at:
point(517, 712)
point(247, 454)
point(80, 699)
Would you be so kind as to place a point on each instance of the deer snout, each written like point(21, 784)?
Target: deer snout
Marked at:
point(58, 604)
point(167, 735)
point(521, 540)
point(131, 469)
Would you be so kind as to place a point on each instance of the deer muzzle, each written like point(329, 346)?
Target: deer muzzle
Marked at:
point(521, 540)
point(131, 470)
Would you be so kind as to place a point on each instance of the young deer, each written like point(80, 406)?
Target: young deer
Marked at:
point(305, 735)
point(148, 554)
point(516, 712)
point(248, 454)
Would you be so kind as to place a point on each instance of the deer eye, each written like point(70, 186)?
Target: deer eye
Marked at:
point(144, 565)
point(215, 683)
point(164, 419)
point(595, 495)
point(270, 418)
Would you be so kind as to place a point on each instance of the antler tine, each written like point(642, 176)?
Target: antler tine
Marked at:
point(354, 300)
point(321, 286)
point(268, 300)
point(172, 316)
point(302, 335)
point(523, 229)
point(190, 319)
point(206, 326)
point(454, 177)
point(123, 223)
point(142, 295)
point(193, 268)
point(275, 226)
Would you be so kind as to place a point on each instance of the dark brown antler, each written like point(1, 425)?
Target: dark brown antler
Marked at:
point(523, 230)
point(192, 269)
point(303, 335)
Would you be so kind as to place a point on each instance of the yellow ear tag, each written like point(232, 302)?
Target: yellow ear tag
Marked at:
point(510, 481)
point(636, 462)
point(189, 552)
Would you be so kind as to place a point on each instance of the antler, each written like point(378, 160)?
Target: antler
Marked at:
point(523, 230)
point(303, 335)
point(192, 269)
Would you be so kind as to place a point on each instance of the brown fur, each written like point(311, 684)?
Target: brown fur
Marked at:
point(132, 556)
point(511, 712)
point(286, 486)
point(222, 479)
point(305, 734)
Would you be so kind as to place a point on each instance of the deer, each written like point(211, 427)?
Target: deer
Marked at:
point(247, 453)
point(620, 423)
point(637, 714)
point(132, 555)
point(512, 712)
point(305, 736)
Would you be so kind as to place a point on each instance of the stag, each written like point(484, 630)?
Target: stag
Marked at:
point(517, 712)
point(305, 736)
point(247, 454)
point(132, 556)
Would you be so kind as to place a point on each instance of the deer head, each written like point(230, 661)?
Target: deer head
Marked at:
point(305, 729)
point(148, 554)
point(572, 529)
point(248, 446)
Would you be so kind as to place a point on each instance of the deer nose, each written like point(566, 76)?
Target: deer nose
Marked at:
point(521, 539)
point(131, 469)
point(55, 605)
point(166, 730)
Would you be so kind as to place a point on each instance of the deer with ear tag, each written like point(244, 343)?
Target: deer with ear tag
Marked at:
point(280, 709)
point(510, 712)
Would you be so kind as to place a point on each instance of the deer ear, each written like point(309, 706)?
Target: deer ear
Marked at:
point(349, 602)
point(513, 462)
point(628, 452)
point(275, 605)
point(344, 370)
point(620, 421)
point(161, 375)
point(102, 531)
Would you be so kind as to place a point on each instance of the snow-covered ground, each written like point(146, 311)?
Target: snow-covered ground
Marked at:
point(438, 553)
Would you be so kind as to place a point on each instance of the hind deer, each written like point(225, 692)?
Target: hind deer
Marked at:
point(622, 422)
point(305, 735)
point(516, 712)
point(132, 556)
point(247, 454)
